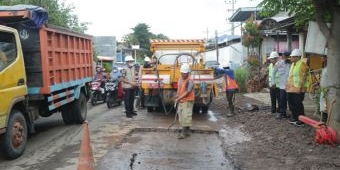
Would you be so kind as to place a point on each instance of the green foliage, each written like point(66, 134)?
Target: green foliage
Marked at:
point(303, 10)
point(251, 35)
point(59, 13)
point(141, 36)
point(241, 76)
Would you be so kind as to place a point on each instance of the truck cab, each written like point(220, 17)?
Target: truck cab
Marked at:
point(13, 87)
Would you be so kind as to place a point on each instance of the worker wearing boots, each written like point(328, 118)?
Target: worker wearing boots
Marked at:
point(185, 100)
point(230, 85)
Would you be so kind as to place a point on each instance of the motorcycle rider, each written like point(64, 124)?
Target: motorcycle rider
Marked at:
point(100, 77)
point(115, 74)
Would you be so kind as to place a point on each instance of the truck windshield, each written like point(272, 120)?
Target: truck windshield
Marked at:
point(169, 57)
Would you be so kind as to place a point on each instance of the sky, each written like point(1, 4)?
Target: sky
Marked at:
point(177, 19)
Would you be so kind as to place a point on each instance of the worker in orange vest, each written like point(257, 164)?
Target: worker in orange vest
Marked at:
point(230, 85)
point(185, 101)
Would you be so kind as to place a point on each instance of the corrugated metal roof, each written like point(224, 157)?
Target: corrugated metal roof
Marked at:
point(242, 14)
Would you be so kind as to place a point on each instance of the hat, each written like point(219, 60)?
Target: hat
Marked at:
point(273, 54)
point(296, 52)
point(129, 58)
point(185, 68)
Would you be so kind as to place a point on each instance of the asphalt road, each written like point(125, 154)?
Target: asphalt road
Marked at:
point(115, 139)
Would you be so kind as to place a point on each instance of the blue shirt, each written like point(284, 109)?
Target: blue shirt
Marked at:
point(226, 72)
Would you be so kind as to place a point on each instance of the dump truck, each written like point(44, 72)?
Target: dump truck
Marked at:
point(45, 69)
point(160, 83)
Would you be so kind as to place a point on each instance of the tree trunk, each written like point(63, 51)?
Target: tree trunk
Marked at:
point(333, 65)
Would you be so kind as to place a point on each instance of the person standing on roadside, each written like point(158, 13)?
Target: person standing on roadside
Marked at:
point(231, 85)
point(140, 100)
point(296, 86)
point(129, 85)
point(282, 68)
point(185, 101)
point(274, 79)
point(324, 90)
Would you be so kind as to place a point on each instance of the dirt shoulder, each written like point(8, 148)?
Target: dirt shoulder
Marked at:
point(275, 144)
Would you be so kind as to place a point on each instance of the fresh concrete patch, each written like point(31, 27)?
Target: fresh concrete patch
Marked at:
point(149, 148)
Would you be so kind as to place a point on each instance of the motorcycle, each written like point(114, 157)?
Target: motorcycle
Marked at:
point(97, 93)
point(112, 94)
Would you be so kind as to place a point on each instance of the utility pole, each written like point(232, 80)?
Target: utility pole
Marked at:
point(232, 10)
point(216, 45)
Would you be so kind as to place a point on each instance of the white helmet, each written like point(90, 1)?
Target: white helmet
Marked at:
point(129, 58)
point(296, 52)
point(147, 59)
point(185, 68)
point(225, 64)
point(273, 54)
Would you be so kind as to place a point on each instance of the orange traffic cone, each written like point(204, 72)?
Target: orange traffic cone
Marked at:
point(86, 160)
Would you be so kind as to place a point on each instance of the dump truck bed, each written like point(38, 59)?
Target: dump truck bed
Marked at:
point(55, 58)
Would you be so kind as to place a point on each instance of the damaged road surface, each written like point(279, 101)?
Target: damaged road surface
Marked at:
point(161, 150)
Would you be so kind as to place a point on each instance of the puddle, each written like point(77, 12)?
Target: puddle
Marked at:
point(212, 117)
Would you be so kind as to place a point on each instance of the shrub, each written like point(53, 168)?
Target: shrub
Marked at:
point(241, 76)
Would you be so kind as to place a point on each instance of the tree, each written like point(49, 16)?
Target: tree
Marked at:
point(141, 36)
point(322, 11)
point(59, 13)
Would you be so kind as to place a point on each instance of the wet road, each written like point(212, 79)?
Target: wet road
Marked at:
point(117, 140)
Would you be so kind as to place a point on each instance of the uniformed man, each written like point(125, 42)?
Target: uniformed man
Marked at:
point(129, 85)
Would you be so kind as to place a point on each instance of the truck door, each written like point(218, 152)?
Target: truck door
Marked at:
point(12, 73)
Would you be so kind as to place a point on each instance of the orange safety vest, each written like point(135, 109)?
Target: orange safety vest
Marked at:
point(230, 83)
point(182, 89)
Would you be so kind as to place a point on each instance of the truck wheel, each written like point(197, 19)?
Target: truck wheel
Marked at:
point(66, 114)
point(79, 109)
point(195, 109)
point(149, 109)
point(15, 139)
point(205, 109)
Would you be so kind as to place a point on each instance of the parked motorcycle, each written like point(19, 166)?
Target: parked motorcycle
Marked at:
point(112, 94)
point(97, 93)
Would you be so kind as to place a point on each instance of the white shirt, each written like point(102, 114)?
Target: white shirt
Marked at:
point(282, 68)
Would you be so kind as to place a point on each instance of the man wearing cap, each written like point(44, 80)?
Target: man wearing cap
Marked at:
point(185, 100)
point(274, 79)
point(282, 69)
point(296, 86)
point(129, 85)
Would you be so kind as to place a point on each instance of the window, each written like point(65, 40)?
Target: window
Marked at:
point(8, 52)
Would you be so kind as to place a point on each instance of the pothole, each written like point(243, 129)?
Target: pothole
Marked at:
point(158, 148)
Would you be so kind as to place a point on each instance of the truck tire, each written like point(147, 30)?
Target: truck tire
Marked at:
point(13, 142)
point(66, 114)
point(79, 109)
point(149, 109)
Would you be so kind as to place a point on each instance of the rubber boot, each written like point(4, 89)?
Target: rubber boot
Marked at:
point(187, 131)
point(324, 117)
point(181, 135)
point(231, 113)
